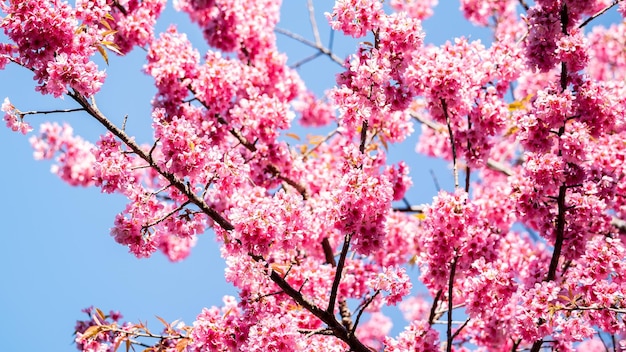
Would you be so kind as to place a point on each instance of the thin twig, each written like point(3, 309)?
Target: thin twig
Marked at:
point(307, 42)
point(524, 5)
point(492, 164)
point(456, 333)
point(328, 136)
point(435, 180)
point(34, 112)
point(433, 308)
point(599, 13)
point(179, 208)
point(305, 60)
point(316, 32)
point(450, 305)
point(364, 306)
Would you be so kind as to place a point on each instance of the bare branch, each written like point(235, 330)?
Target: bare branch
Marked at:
point(35, 112)
point(599, 13)
point(449, 335)
point(316, 31)
point(307, 42)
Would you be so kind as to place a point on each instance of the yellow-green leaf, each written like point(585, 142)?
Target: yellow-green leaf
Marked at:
point(181, 345)
point(105, 23)
point(293, 135)
point(92, 331)
point(110, 31)
point(162, 321)
point(101, 315)
point(103, 53)
point(113, 47)
point(384, 142)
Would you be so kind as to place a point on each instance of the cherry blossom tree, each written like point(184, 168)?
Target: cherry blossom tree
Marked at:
point(525, 253)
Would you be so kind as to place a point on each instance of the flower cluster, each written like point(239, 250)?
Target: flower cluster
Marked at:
point(240, 26)
point(14, 118)
point(356, 17)
point(172, 62)
point(134, 22)
point(112, 166)
point(58, 56)
point(75, 159)
point(418, 336)
point(393, 281)
point(363, 202)
point(103, 341)
point(313, 112)
point(266, 223)
point(420, 9)
point(455, 233)
point(471, 105)
point(373, 88)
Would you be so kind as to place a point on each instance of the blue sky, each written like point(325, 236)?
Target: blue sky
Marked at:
point(57, 255)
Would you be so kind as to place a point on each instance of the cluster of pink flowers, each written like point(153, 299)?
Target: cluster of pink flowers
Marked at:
point(14, 118)
point(172, 62)
point(75, 160)
point(313, 112)
point(455, 233)
point(420, 9)
point(240, 26)
point(112, 166)
point(530, 250)
point(471, 105)
point(134, 22)
point(363, 205)
point(373, 87)
point(60, 55)
point(393, 281)
point(104, 341)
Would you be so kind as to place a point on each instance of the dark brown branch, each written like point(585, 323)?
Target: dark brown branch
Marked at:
point(338, 272)
point(524, 5)
point(360, 313)
point(599, 13)
point(433, 308)
point(363, 136)
point(344, 311)
point(449, 335)
point(24, 113)
point(93, 110)
point(329, 319)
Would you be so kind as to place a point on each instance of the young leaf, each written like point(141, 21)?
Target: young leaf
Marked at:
point(103, 53)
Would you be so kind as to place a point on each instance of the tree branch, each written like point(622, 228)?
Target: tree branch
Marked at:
point(307, 42)
point(93, 110)
point(340, 264)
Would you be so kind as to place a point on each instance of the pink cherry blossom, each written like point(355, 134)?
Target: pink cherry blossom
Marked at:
point(14, 118)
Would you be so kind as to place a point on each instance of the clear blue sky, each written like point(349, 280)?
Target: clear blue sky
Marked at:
point(57, 256)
